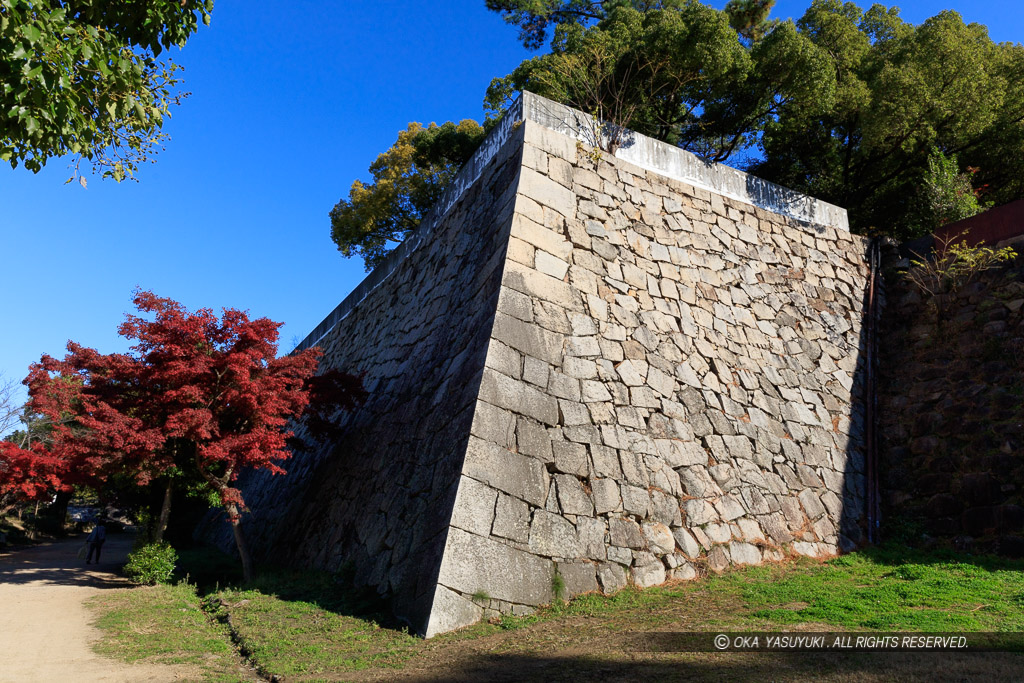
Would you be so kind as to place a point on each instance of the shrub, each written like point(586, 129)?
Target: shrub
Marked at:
point(151, 564)
point(952, 267)
point(948, 194)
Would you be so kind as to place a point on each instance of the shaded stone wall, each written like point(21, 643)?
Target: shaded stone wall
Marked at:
point(672, 386)
point(381, 498)
point(951, 398)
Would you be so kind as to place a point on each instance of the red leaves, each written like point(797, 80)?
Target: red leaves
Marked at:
point(195, 387)
point(33, 473)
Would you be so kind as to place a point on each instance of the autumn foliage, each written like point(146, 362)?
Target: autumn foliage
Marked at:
point(30, 473)
point(198, 395)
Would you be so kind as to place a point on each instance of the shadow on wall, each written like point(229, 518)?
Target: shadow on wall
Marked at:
point(951, 397)
point(860, 517)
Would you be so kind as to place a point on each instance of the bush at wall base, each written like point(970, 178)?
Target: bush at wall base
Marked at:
point(151, 564)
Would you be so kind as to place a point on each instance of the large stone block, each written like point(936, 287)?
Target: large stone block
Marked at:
point(520, 476)
point(511, 394)
point(572, 498)
point(450, 611)
point(528, 338)
point(474, 563)
point(554, 536)
point(512, 519)
point(474, 506)
point(625, 533)
point(659, 538)
point(491, 423)
point(579, 578)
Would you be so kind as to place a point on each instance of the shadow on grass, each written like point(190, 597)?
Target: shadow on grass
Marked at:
point(895, 553)
point(729, 667)
point(212, 571)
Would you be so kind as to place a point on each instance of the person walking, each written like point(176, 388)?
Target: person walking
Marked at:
point(95, 540)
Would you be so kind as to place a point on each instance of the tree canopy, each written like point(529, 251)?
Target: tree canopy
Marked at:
point(678, 73)
point(85, 78)
point(407, 180)
point(901, 91)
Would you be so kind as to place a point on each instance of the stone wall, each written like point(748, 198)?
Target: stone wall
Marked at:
point(671, 386)
point(588, 369)
point(381, 498)
point(951, 398)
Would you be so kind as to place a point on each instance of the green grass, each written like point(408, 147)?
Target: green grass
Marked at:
point(164, 624)
point(313, 626)
point(891, 589)
point(297, 638)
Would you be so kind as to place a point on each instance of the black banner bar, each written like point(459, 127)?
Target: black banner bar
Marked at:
point(820, 641)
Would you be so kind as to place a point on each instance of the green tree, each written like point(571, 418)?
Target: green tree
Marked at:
point(677, 72)
point(750, 18)
point(536, 17)
point(845, 105)
point(407, 180)
point(84, 78)
point(901, 90)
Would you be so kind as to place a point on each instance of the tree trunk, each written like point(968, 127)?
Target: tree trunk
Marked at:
point(243, 551)
point(165, 512)
point(60, 509)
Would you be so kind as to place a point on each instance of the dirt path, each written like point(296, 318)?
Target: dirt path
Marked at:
point(45, 630)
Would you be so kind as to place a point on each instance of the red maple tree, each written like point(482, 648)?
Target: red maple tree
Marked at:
point(30, 473)
point(197, 394)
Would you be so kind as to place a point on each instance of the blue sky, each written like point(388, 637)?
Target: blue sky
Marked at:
point(290, 103)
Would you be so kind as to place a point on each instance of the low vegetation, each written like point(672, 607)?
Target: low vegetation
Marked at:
point(164, 624)
point(151, 563)
point(315, 626)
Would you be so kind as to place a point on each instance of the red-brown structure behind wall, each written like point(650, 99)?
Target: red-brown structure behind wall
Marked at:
point(991, 227)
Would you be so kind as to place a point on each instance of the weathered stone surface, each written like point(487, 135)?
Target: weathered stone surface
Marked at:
point(512, 473)
point(684, 572)
point(494, 424)
point(571, 458)
point(625, 533)
point(541, 237)
point(635, 500)
point(606, 495)
point(512, 519)
point(650, 574)
point(533, 439)
point(572, 498)
point(592, 534)
point(744, 553)
point(552, 535)
point(450, 611)
point(659, 538)
point(528, 338)
point(473, 563)
point(579, 578)
point(618, 364)
point(512, 394)
point(547, 192)
point(718, 559)
point(685, 541)
point(474, 506)
point(612, 576)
